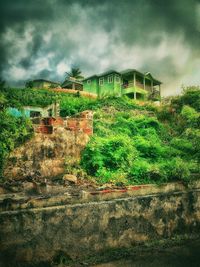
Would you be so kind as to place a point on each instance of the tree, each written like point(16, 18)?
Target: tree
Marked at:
point(29, 84)
point(74, 73)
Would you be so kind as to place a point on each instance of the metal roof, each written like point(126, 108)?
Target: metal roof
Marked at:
point(102, 74)
point(44, 80)
point(123, 73)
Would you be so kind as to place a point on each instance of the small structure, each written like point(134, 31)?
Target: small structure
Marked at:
point(81, 122)
point(72, 83)
point(42, 83)
point(52, 110)
point(130, 82)
point(47, 125)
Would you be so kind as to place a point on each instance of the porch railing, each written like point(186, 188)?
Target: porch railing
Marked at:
point(127, 85)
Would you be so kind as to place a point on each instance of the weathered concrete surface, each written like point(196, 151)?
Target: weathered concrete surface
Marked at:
point(45, 156)
point(78, 230)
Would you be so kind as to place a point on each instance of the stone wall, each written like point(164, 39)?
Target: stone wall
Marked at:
point(81, 122)
point(77, 230)
point(45, 155)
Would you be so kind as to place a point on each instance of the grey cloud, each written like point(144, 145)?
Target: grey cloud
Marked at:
point(97, 35)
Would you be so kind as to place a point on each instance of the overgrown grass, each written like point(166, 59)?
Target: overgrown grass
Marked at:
point(133, 142)
point(136, 144)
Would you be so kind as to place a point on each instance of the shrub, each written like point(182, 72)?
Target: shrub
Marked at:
point(13, 132)
point(139, 172)
point(149, 148)
point(111, 154)
point(190, 97)
point(182, 144)
point(175, 169)
point(191, 116)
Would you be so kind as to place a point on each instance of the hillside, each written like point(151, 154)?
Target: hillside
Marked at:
point(133, 142)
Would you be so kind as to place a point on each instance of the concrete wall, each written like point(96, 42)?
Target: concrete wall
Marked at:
point(45, 155)
point(81, 229)
point(44, 111)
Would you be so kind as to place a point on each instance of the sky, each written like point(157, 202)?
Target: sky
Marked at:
point(45, 38)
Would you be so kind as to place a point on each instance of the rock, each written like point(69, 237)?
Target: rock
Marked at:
point(70, 178)
point(29, 187)
point(2, 190)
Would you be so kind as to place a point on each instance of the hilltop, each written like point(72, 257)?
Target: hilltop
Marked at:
point(133, 142)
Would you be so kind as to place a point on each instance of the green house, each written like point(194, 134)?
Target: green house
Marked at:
point(130, 82)
point(107, 83)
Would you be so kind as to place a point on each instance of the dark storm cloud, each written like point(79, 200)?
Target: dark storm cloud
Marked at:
point(42, 38)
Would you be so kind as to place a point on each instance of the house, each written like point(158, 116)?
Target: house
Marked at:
point(72, 83)
point(52, 110)
point(129, 82)
point(42, 83)
point(107, 83)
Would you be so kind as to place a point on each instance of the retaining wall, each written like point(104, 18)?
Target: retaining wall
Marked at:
point(98, 222)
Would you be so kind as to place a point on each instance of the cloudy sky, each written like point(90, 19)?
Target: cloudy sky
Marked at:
point(44, 38)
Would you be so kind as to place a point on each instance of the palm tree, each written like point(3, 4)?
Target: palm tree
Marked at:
point(74, 74)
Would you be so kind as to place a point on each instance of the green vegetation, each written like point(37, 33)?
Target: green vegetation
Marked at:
point(133, 142)
point(136, 144)
point(70, 104)
point(13, 132)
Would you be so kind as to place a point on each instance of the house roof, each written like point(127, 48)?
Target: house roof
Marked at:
point(44, 80)
point(108, 72)
point(102, 74)
point(90, 77)
point(127, 71)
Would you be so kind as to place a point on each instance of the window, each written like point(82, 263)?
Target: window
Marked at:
point(101, 81)
point(50, 112)
point(117, 79)
point(88, 81)
point(34, 114)
point(110, 79)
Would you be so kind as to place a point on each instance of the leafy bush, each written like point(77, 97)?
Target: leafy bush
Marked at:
point(139, 172)
point(175, 169)
point(182, 144)
point(190, 97)
point(111, 154)
point(13, 132)
point(191, 116)
point(149, 148)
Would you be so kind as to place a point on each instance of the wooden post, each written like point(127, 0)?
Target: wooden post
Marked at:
point(160, 91)
point(134, 84)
